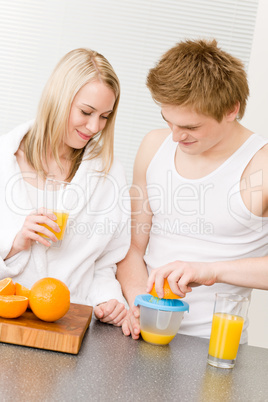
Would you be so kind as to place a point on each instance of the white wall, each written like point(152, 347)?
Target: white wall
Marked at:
point(256, 120)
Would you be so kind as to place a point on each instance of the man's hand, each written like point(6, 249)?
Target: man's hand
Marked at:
point(131, 324)
point(111, 312)
point(181, 276)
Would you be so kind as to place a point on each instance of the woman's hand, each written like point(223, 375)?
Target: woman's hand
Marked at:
point(31, 229)
point(181, 276)
point(111, 312)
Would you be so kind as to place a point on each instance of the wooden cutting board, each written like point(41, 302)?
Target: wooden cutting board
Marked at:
point(64, 335)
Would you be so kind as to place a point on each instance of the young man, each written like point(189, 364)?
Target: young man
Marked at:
point(200, 189)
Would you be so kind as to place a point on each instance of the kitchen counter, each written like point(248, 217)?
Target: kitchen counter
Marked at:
point(111, 367)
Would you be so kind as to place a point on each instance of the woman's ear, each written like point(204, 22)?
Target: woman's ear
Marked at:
point(232, 114)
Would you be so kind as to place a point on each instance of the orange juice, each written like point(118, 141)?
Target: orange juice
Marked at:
point(61, 221)
point(225, 335)
point(156, 338)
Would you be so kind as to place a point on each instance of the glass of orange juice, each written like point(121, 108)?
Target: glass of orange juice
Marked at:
point(230, 311)
point(57, 199)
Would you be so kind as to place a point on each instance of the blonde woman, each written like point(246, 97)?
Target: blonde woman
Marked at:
point(71, 140)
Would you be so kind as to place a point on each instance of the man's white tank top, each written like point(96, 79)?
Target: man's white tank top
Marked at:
point(203, 220)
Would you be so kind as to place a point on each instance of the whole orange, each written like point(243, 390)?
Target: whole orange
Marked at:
point(168, 294)
point(49, 299)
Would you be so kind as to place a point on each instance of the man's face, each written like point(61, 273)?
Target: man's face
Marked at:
point(195, 133)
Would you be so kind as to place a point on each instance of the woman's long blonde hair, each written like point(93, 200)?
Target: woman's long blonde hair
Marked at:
point(74, 70)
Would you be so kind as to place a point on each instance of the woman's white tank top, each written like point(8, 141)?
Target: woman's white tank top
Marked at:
point(203, 220)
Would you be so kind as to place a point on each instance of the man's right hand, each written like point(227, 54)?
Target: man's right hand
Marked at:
point(131, 324)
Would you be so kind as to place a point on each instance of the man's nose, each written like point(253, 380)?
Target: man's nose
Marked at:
point(179, 134)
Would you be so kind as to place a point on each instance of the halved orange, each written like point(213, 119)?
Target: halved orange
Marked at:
point(7, 287)
point(21, 290)
point(168, 294)
point(12, 306)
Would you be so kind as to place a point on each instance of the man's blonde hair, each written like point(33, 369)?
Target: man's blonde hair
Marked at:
point(74, 70)
point(200, 75)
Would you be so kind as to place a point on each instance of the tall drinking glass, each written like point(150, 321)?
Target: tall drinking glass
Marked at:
point(57, 196)
point(230, 311)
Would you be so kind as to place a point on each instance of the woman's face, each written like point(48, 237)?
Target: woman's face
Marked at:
point(90, 109)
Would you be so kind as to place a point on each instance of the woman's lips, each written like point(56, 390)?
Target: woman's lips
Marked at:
point(83, 136)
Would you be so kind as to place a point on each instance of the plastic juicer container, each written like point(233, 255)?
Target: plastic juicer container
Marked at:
point(160, 319)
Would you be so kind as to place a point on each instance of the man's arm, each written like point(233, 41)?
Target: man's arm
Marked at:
point(132, 272)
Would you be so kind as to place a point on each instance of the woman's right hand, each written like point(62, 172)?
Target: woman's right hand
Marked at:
point(31, 230)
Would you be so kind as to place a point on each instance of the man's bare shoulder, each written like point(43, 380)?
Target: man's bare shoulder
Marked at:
point(263, 152)
point(255, 176)
point(157, 136)
point(152, 141)
point(148, 148)
point(259, 161)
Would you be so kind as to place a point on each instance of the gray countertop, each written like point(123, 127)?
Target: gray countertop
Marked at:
point(111, 367)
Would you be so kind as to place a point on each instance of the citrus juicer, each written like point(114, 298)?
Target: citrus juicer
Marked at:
point(160, 319)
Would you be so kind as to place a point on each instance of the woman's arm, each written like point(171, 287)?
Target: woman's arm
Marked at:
point(105, 291)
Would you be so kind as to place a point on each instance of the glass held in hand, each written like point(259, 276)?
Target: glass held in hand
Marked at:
point(57, 200)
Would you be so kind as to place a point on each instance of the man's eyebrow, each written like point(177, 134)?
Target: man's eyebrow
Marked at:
point(85, 104)
point(186, 126)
